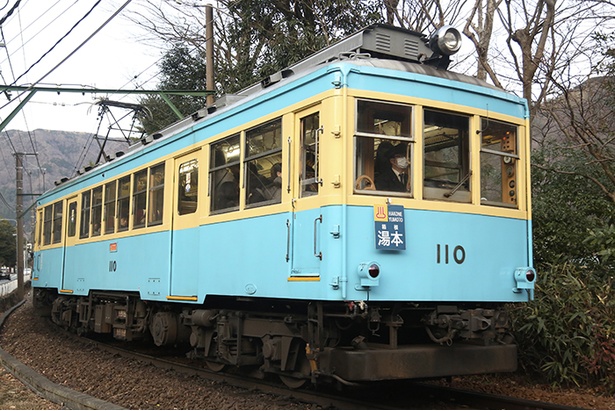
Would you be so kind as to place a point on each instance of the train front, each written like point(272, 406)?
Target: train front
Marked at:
point(435, 225)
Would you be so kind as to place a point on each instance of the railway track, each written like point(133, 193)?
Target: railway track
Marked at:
point(390, 395)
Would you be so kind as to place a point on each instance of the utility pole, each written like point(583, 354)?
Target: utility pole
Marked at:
point(209, 52)
point(19, 218)
point(19, 194)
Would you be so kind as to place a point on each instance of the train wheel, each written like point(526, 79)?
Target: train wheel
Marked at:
point(292, 382)
point(215, 366)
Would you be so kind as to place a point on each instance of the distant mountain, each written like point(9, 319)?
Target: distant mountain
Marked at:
point(60, 154)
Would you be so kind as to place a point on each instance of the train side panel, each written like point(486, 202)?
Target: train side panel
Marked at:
point(447, 257)
point(139, 263)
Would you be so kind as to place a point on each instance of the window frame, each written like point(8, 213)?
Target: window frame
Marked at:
point(438, 189)
point(56, 226)
point(155, 195)
point(272, 126)
point(509, 166)
point(97, 209)
point(310, 186)
point(109, 206)
point(84, 228)
point(139, 197)
point(182, 204)
point(47, 224)
point(123, 203)
point(361, 136)
point(215, 168)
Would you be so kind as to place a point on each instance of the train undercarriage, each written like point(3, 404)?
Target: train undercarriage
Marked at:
point(303, 341)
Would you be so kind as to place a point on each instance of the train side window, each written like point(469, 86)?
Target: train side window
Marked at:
point(57, 222)
point(97, 202)
point(383, 148)
point(263, 155)
point(123, 202)
point(156, 195)
point(40, 228)
point(446, 159)
point(85, 214)
point(47, 221)
point(310, 137)
point(72, 219)
point(188, 193)
point(110, 192)
point(224, 174)
point(139, 199)
point(498, 163)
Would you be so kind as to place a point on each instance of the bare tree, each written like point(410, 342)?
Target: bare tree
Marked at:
point(479, 29)
point(579, 122)
point(544, 49)
point(424, 16)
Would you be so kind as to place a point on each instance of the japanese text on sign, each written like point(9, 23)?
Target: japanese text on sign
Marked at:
point(390, 229)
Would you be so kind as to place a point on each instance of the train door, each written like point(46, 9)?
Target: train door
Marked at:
point(307, 220)
point(184, 227)
point(70, 231)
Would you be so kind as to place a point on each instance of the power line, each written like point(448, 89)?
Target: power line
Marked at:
point(58, 42)
point(68, 56)
point(23, 30)
point(118, 11)
point(8, 14)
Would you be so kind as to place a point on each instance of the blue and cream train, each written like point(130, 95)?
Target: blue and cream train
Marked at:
point(260, 232)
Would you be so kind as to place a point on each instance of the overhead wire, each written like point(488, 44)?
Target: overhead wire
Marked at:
point(79, 46)
point(75, 50)
point(23, 30)
point(31, 135)
point(10, 12)
point(57, 43)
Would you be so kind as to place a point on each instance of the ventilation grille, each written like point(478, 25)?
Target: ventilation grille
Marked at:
point(411, 48)
point(383, 42)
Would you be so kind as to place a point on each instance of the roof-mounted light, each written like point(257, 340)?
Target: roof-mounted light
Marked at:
point(446, 41)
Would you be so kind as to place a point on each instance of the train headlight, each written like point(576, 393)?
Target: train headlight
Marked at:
point(446, 41)
point(525, 277)
point(369, 274)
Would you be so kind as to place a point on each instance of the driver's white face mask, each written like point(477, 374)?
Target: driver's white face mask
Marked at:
point(402, 162)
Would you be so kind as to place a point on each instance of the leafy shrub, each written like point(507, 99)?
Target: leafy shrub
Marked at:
point(566, 335)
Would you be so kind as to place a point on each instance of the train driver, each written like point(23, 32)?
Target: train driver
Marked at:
point(394, 177)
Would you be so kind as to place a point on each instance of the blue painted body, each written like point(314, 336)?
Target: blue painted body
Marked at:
point(248, 258)
point(276, 255)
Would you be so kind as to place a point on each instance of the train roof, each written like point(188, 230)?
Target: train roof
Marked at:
point(377, 46)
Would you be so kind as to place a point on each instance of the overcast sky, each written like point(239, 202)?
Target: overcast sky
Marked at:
point(114, 58)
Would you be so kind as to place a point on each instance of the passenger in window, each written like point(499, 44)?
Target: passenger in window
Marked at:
point(227, 195)
point(382, 164)
point(394, 177)
point(226, 189)
point(257, 186)
point(140, 216)
point(123, 222)
point(275, 190)
point(229, 174)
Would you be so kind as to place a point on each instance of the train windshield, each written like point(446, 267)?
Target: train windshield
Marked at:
point(384, 153)
point(446, 159)
point(383, 148)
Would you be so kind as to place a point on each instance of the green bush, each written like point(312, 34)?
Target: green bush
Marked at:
point(566, 335)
